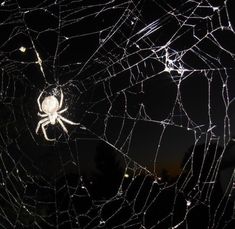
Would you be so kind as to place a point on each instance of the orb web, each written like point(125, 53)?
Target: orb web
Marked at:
point(151, 84)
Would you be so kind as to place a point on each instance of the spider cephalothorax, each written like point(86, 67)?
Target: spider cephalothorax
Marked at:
point(52, 113)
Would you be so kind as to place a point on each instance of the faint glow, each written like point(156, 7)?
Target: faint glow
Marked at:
point(102, 222)
point(120, 192)
point(22, 49)
point(188, 203)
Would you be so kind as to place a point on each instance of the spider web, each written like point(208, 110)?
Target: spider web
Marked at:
point(151, 84)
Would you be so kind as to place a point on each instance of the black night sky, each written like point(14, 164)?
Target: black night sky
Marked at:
point(151, 83)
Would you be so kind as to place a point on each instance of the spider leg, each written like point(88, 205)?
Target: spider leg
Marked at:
point(62, 111)
point(45, 133)
point(42, 115)
point(40, 123)
point(68, 121)
point(61, 98)
point(38, 100)
point(62, 125)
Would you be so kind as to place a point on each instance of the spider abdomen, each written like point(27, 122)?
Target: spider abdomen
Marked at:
point(50, 105)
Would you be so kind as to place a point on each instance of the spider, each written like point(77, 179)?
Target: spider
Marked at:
point(51, 107)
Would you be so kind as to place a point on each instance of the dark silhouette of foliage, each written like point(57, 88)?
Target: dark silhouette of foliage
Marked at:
point(105, 181)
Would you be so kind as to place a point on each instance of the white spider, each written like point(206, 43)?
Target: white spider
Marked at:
point(51, 106)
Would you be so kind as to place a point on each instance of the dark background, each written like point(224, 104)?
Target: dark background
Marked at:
point(151, 84)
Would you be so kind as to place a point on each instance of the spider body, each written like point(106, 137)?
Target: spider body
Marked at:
point(51, 113)
point(50, 106)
